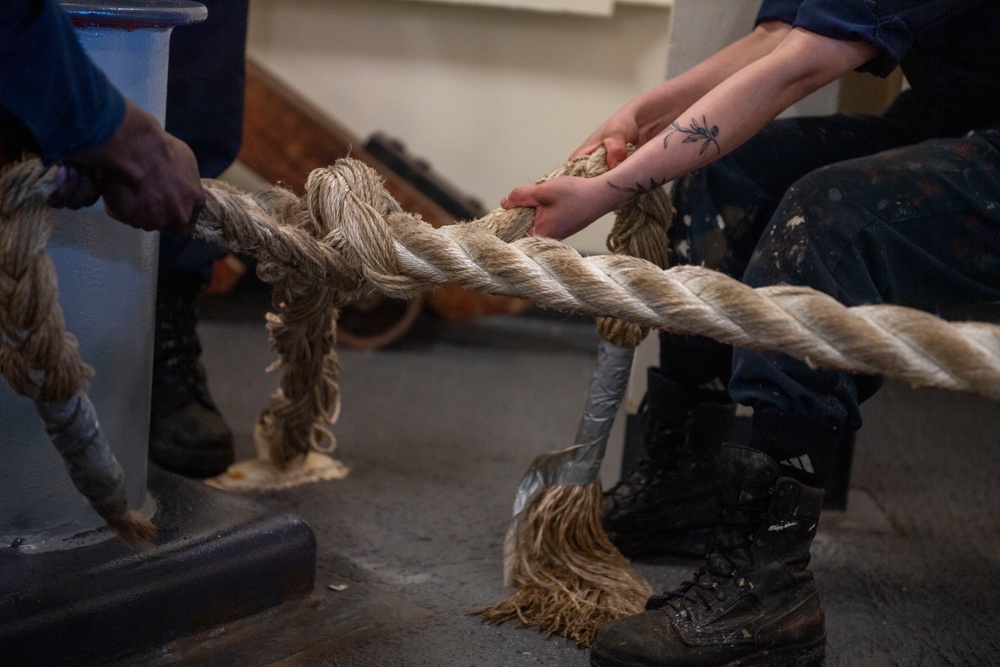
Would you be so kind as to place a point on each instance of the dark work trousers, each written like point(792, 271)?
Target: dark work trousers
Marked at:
point(205, 87)
point(840, 205)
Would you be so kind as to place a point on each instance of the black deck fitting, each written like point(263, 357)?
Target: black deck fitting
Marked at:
point(220, 556)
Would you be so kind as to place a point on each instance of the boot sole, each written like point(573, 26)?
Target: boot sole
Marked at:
point(799, 655)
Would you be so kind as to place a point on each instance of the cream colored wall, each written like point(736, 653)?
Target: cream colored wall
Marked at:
point(492, 98)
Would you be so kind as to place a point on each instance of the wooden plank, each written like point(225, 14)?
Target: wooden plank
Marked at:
point(285, 137)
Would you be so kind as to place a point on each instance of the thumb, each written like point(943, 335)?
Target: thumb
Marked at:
point(520, 197)
point(616, 151)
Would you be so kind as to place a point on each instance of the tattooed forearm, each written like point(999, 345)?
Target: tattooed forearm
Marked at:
point(639, 189)
point(696, 133)
point(702, 133)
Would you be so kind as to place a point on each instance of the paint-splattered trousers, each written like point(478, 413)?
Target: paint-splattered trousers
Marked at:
point(838, 205)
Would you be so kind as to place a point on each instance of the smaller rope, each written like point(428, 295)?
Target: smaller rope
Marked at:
point(40, 359)
point(640, 230)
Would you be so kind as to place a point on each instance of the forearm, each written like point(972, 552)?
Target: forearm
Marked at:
point(732, 112)
point(660, 106)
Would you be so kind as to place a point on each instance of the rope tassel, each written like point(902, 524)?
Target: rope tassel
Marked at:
point(570, 577)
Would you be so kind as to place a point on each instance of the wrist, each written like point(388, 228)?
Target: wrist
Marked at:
point(610, 194)
point(655, 110)
point(128, 150)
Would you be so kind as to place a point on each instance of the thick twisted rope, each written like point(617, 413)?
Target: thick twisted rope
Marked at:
point(348, 234)
point(402, 256)
point(306, 252)
point(39, 358)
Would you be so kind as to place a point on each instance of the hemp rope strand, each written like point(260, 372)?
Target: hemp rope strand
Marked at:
point(38, 357)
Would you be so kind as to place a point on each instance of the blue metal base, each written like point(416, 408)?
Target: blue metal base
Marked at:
point(220, 557)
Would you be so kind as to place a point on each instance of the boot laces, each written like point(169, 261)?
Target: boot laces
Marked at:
point(724, 565)
point(177, 357)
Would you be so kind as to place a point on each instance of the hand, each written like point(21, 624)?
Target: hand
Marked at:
point(614, 134)
point(148, 178)
point(564, 205)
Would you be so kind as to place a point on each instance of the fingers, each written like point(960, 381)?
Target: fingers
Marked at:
point(151, 209)
point(585, 149)
point(149, 179)
point(193, 221)
point(76, 187)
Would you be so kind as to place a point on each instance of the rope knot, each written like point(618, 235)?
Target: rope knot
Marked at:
point(348, 200)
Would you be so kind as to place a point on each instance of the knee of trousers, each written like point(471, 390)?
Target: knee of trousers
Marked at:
point(821, 221)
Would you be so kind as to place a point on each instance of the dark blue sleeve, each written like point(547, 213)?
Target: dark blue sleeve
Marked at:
point(888, 25)
point(778, 10)
point(205, 85)
point(49, 84)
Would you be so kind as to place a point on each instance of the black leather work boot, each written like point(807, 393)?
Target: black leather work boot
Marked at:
point(754, 602)
point(669, 504)
point(187, 435)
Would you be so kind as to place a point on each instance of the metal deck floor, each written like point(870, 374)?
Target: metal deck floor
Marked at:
point(438, 431)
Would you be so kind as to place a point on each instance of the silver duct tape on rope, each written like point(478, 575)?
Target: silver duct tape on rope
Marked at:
point(580, 464)
point(73, 428)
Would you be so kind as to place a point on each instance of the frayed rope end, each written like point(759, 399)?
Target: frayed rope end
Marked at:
point(570, 577)
point(135, 530)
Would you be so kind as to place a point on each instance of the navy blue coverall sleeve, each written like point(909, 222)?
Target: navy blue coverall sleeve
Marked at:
point(888, 25)
point(49, 85)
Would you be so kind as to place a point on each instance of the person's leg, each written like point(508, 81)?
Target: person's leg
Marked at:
point(205, 109)
point(187, 434)
point(917, 227)
point(667, 504)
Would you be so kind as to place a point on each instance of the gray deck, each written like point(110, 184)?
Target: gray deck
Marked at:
point(437, 433)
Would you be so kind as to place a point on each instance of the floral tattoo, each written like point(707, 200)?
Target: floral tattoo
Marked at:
point(704, 133)
point(639, 188)
point(696, 133)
